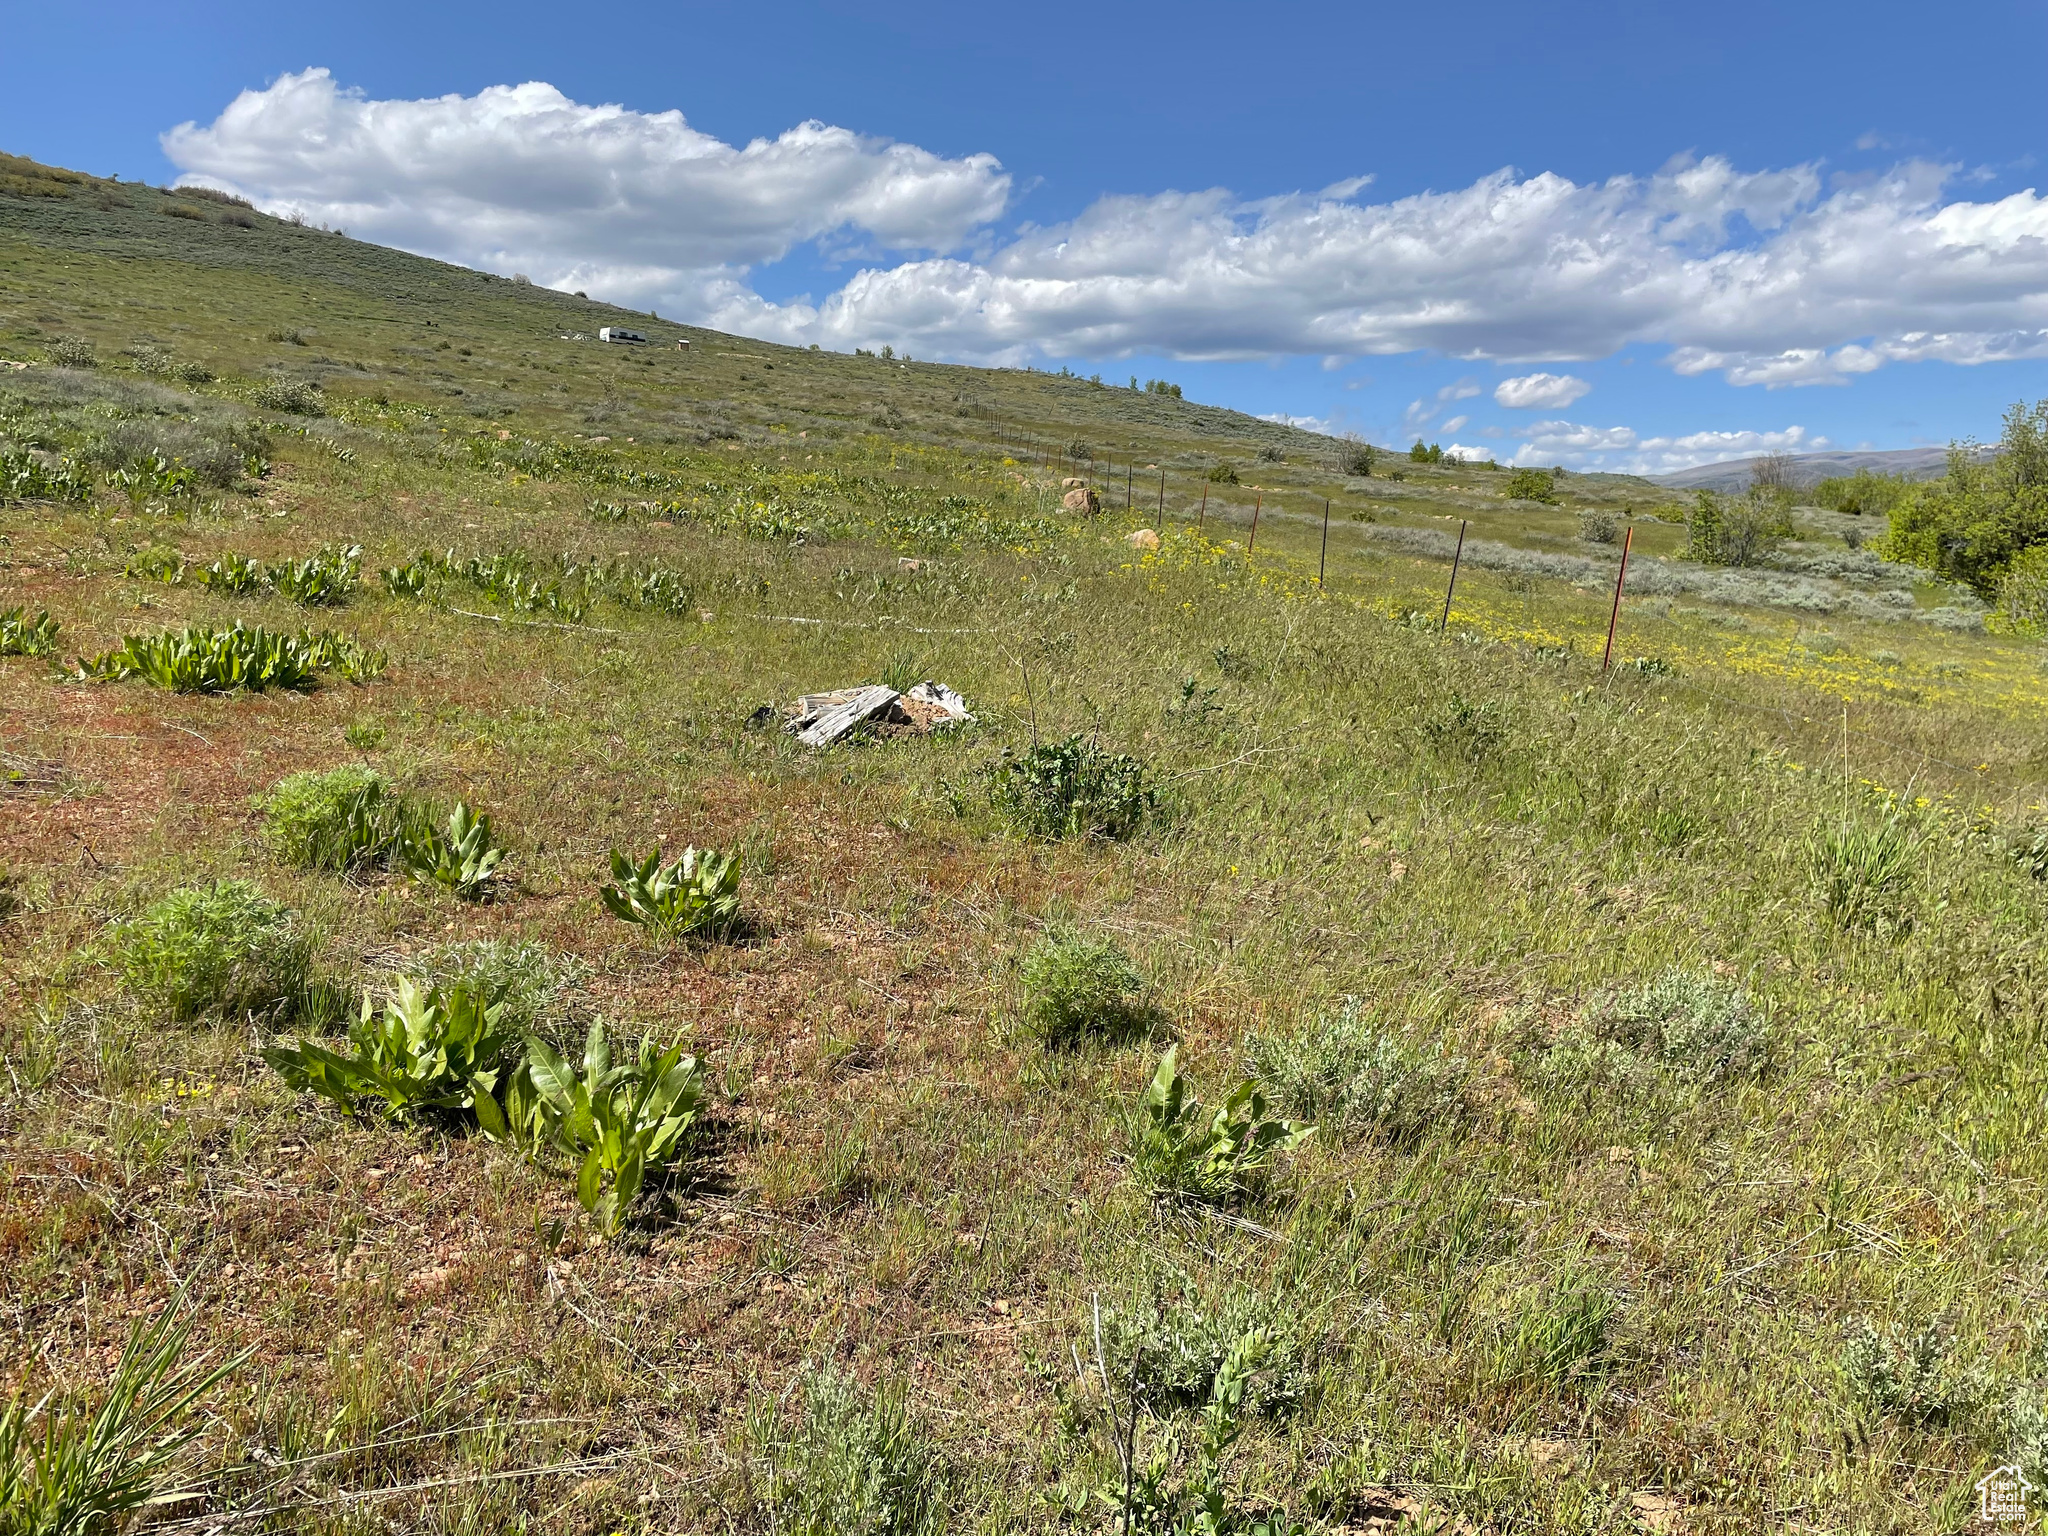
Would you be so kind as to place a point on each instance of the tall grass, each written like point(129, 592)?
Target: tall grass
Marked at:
point(70, 1470)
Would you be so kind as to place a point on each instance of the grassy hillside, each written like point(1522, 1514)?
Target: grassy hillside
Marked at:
point(1672, 1035)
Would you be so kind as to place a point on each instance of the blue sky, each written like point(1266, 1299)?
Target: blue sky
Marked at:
point(1720, 225)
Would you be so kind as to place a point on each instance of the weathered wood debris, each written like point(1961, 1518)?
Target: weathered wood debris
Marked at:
point(819, 719)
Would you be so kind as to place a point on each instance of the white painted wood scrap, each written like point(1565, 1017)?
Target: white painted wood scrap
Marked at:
point(826, 725)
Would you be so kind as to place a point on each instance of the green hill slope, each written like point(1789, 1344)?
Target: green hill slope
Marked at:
point(370, 654)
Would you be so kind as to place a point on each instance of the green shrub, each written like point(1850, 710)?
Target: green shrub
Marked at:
point(698, 893)
point(1073, 788)
point(850, 1464)
point(338, 820)
point(66, 1472)
point(1862, 876)
point(1531, 485)
point(1701, 1027)
point(1223, 474)
point(1271, 454)
point(1183, 1152)
point(1349, 1075)
point(1474, 729)
point(425, 1050)
point(294, 397)
point(1560, 1334)
point(1075, 988)
point(26, 634)
point(156, 563)
point(224, 948)
point(1357, 459)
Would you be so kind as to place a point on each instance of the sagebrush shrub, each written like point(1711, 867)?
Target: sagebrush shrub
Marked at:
point(1909, 1375)
point(1077, 988)
point(1348, 1074)
point(1598, 526)
point(1179, 1340)
point(1073, 788)
point(851, 1464)
point(74, 352)
point(294, 397)
point(1697, 1024)
point(224, 948)
point(525, 979)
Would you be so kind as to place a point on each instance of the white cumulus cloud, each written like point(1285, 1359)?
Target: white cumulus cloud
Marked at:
point(1540, 391)
point(626, 204)
point(1776, 277)
point(1624, 450)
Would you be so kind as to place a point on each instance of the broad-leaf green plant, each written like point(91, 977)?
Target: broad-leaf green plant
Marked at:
point(1073, 788)
point(462, 857)
point(424, 1050)
point(1185, 1152)
point(27, 634)
point(620, 1121)
point(696, 893)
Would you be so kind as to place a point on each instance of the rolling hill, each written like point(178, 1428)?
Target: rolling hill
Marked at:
point(1375, 1023)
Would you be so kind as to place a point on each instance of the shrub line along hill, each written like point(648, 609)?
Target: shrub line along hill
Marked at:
point(1298, 1060)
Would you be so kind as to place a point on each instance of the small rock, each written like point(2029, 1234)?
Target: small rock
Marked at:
point(1143, 539)
point(1081, 499)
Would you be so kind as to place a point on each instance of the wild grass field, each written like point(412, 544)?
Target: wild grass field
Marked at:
point(1290, 1063)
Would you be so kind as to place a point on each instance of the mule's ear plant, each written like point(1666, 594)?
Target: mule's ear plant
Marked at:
point(1184, 1152)
point(425, 1049)
point(27, 634)
point(462, 857)
point(619, 1122)
point(697, 893)
point(319, 580)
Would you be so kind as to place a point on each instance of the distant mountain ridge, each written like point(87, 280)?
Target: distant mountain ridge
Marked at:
point(1812, 468)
